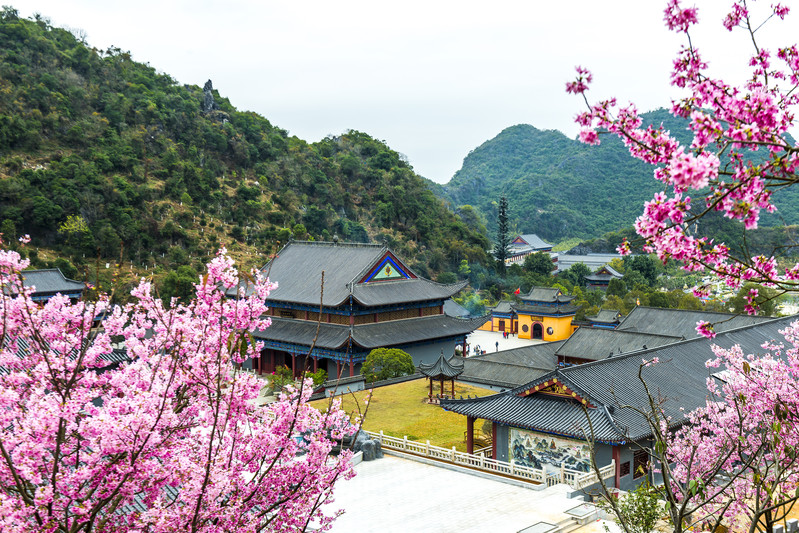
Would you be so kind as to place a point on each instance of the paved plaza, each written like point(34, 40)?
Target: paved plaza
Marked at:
point(487, 340)
point(395, 494)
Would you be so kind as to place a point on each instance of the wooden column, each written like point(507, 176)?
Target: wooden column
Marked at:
point(315, 364)
point(469, 434)
point(431, 389)
point(453, 388)
point(352, 367)
point(617, 458)
point(338, 370)
point(442, 386)
point(293, 365)
point(493, 440)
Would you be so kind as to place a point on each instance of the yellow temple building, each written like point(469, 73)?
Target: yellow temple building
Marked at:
point(545, 313)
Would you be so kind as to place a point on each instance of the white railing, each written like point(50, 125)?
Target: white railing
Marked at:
point(481, 461)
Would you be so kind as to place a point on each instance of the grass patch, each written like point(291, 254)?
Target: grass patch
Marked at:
point(399, 410)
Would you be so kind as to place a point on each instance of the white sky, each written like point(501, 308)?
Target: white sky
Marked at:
point(434, 79)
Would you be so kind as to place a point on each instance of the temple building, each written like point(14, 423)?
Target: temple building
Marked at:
point(600, 279)
point(49, 282)
point(524, 245)
point(370, 299)
point(545, 313)
point(544, 423)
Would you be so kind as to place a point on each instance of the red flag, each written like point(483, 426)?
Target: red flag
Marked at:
point(517, 291)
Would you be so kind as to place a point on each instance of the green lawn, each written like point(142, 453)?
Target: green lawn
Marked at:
point(399, 410)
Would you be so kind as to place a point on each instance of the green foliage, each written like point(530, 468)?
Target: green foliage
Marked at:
point(560, 188)
point(93, 135)
point(318, 377)
point(386, 363)
point(539, 263)
point(179, 284)
point(282, 377)
point(637, 511)
point(503, 238)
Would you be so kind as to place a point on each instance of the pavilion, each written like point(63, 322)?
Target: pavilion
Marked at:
point(443, 369)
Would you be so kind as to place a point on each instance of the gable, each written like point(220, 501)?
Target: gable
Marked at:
point(554, 387)
point(519, 240)
point(388, 268)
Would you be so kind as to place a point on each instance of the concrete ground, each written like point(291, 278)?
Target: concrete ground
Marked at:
point(395, 494)
point(487, 340)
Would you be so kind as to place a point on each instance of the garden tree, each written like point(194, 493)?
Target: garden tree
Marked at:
point(641, 508)
point(85, 444)
point(539, 263)
point(734, 461)
point(386, 363)
point(503, 238)
point(643, 264)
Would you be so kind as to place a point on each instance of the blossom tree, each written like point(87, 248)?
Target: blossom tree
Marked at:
point(170, 439)
point(734, 461)
point(729, 124)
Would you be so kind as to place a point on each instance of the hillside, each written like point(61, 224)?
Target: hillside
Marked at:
point(558, 187)
point(101, 156)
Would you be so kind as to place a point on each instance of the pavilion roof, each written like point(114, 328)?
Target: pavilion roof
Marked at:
point(546, 295)
point(50, 281)
point(546, 309)
point(612, 390)
point(442, 368)
point(606, 316)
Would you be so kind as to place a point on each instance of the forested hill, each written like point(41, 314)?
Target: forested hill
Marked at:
point(559, 187)
point(104, 156)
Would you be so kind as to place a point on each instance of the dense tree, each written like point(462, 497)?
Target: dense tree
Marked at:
point(386, 363)
point(539, 263)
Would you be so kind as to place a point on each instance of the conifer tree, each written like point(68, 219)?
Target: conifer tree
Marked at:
point(503, 241)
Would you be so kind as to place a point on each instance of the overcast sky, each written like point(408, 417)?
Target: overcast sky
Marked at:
point(434, 79)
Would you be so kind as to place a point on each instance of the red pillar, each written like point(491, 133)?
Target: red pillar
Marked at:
point(352, 367)
point(315, 364)
point(293, 365)
point(271, 361)
point(469, 434)
point(338, 370)
point(617, 458)
point(493, 440)
point(431, 388)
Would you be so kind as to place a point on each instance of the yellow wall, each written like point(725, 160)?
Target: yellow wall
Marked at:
point(493, 324)
point(561, 327)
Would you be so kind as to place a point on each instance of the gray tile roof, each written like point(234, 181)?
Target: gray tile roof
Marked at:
point(682, 322)
point(612, 384)
point(511, 368)
point(298, 268)
point(368, 336)
point(546, 295)
point(503, 306)
point(452, 308)
point(606, 316)
point(553, 309)
point(413, 330)
point(443, 368)
point(408, 290)
point(598, 343)
point(534, 241)
point(50, 281)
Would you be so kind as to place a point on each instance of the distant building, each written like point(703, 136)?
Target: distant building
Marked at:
point(592, 261)
point(524, 245)
point(49, 282)
point(545, 313)
point(371, 300)
point(601, 278)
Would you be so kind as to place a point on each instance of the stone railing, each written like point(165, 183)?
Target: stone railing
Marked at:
point(481, 461)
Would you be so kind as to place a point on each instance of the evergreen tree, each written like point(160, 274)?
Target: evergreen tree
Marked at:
point(503, 240)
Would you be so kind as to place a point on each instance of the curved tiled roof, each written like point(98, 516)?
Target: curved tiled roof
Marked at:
point(368, 336)
point(682, 322)
point(443, 368)
point(406, 290)
point(596, 343)
point(679, 380)
point(553, 309)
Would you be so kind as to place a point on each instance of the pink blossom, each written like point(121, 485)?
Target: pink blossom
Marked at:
point(677, 18)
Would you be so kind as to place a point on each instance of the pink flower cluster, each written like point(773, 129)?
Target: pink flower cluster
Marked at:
point(729, 124)
point(170, 440)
